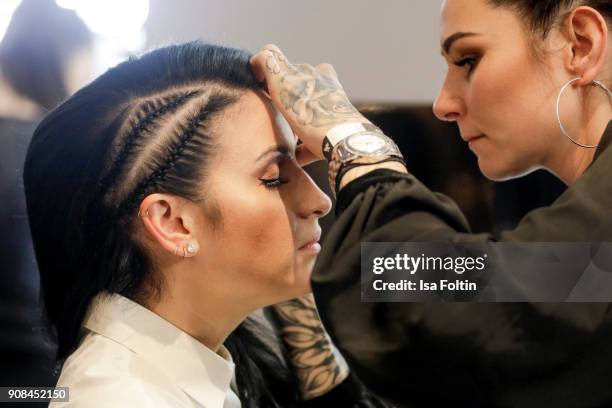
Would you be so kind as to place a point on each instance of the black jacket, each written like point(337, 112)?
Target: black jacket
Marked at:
point(467, 354)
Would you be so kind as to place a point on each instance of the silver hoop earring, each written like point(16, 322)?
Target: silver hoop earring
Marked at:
point(594, 83)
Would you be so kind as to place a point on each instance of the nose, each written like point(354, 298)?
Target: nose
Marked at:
point(448, 106)
point(311, 201)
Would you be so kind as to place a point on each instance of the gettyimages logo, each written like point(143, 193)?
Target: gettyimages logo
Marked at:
point(412, 265)
point(486, 271)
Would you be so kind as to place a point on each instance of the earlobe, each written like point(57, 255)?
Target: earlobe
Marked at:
point(588, 33)
point(185, 252)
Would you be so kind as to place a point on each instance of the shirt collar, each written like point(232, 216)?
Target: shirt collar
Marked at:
point(200, 372)
point(605, 141)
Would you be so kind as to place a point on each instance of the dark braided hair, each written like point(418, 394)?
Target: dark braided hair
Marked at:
point(153, 111)
point(142, 127)
point(175, 151)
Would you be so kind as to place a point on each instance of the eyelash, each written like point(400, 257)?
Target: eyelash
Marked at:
point(273, 183)
point(470, 61)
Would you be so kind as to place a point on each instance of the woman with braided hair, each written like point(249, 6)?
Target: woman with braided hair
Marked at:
point(164, 207)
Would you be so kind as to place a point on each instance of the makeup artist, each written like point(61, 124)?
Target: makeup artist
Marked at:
point(528, 85)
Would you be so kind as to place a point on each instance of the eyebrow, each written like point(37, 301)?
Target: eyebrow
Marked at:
point(448, 43)
point(274, 149)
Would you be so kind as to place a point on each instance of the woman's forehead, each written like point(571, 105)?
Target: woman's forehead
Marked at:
point(462, 14)
point(252, 125)
point(475, 17)
point(464, 8)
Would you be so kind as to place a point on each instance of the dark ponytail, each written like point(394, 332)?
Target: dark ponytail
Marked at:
point(89, 166)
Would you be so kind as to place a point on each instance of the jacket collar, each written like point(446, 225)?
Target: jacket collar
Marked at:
point(200, 372)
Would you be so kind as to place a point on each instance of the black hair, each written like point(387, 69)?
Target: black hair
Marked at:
point(541, 15)
point(40, 38)
point(92, 161)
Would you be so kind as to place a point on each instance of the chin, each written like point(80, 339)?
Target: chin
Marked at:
point(492, 172)
point(497, 171)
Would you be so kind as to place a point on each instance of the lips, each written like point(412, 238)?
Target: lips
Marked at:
point(314, 240)
point(470, 138)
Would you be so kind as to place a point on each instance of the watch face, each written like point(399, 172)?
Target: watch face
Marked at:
point(366, 143)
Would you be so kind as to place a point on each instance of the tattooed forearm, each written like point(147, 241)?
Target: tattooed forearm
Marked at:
point(317, 364)
point(314, 96)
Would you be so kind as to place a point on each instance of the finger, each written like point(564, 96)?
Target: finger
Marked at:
point(304, 156)
point(303, 69)
point(271, 47)
point(267, 69)
point(326, 68)
point(260, 63)
point(329, 72)
point(280, 56)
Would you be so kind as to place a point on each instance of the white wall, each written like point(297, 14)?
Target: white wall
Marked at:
point(386, 51)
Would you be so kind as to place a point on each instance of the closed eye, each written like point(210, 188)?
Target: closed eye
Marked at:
point(470, 61)
point(274, 182)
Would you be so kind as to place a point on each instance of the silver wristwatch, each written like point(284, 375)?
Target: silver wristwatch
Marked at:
point(366, 139)
point(345, 143)
point(365, 144)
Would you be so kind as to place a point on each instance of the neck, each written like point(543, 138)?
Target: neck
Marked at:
point(14, 105)
point(209, 314)
point(569, 161)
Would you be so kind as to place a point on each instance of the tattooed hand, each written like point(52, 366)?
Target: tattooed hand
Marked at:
point(310, 98)
point(318, 365)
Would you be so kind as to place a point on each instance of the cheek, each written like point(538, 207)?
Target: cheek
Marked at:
point(507, 103)
point(256, 236)
point(499, 94)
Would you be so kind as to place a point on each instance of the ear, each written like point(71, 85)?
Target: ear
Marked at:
point(588, 33)
point(171, 222)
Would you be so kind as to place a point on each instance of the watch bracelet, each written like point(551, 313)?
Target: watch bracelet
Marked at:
point(337, 169)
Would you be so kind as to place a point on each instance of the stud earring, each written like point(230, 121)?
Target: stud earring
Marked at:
point(146, 214)
point(191, 249)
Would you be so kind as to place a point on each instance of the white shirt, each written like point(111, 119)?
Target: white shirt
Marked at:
point(131, 357)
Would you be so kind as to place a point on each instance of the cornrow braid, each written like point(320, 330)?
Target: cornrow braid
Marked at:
point(153, 111)
point(216, 103)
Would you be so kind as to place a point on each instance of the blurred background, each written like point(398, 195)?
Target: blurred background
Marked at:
point(386, 54)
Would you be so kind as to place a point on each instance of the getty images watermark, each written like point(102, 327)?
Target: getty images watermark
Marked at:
point(486, 272)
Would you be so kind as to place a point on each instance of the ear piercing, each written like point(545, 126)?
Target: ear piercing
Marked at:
point(146, 214)
point(598, 84)
point(189, 249)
